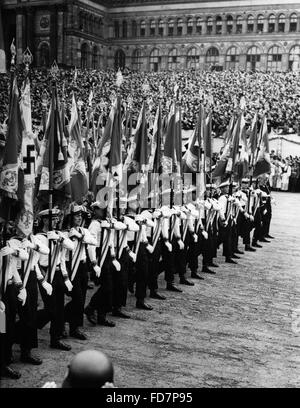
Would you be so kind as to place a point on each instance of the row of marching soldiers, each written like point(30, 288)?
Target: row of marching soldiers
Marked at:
point(121, 254)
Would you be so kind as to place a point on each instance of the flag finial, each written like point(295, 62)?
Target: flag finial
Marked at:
point(27, 59)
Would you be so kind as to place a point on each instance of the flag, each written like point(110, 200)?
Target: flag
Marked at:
point(262, 162)
point(191, 158)
point(115, 158)
point(178, 142)
point(253, 137)
point(220, 169)
point(241, 167)
point(208, 141)
point(79, 180)
point(155, 150)
point(25, 217)
point(54, 172)
point(168, 156)
point(2, 52)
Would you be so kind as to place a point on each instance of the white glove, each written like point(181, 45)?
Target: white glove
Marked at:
point(48, 288)
point(169, 246)
point(50, 384)
point(2, 306)
point(28, 244)
point(195, 237)
point(7, 251)
point(97, 271)
point(117, 265)
point(74, 233)
point(251, 218)
point(150, 248)
point(225, 224)
point(181, 244)
point(52, 235)
point(105, 224)
point(132, 256)
point(205, 234)
point(68, 284)
point(22, 296)
point(247, 215)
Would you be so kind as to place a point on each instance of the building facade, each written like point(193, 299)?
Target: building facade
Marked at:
point(157, 35)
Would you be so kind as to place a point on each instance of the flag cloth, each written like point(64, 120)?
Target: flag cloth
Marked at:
point(115, 157)
point(220, 169)
point(168, 156)
point(253, 137)
point(208, 142)
point(79, 180)
point(55, 173)
point(155, 150)
point(263, 163)
point(140, 155)
point(2, 52)
point(190, 158)
point(178, 142)
point(241, 167)
point(25, 217)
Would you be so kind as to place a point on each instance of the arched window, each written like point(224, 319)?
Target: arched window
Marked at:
point(179, 26)
point(120, 59)
point(44, 55)
point(161, 28)
point(274, 59)
point(134, 28)
point(232, 58)
point(95, 59)
point(143, 29)
point(219, 25)
point(281, 23)
point(124, 29)
point(253, 58)
point(136, 60)
point(172, 60)
point(152, 28)
point(250, 24)
point(239, 25)
point(260, 23)
point(199, 26)
point(117, 29)
point(84, 56)
point(155, 60)
point(171, 27)
point(293, 23)
point(229, 24)
point(190, 26)
point(271, 24)
point(209, 25)
point(212, 57)
point(193, 58)
point(294, 58)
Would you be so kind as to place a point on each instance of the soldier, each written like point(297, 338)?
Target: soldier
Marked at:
point(247, 219)
point(78, 272)
point(267, 208)
point(56, 273)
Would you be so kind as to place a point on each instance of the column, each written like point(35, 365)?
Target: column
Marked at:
point(224, 26)
point(156, 31)
point(129, 29)
point(147, 31)
point(276, 24)
point(175, 27)
point(60, 36)
point(298, 24)
point(255, 25)
point(242, 61)
point(184, 27)
point(214, 26)
point(265, 24)
point(29, 29)
point(194, 26)
point(234, 25)
point(244, 26)
point(166, 29)
point(53, 34)
point(204, 27)
point(287, 25)
point(285, 61)
point(20, 34)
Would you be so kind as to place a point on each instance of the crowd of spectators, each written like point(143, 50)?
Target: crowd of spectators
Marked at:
point(285, 173)
point(278, 94)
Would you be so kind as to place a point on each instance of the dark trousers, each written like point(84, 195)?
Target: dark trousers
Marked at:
point(53, 311)
point(142, 272)
point(257, 226)
point(75, 308)
point(154, 267)
point(226, 239)
point(26, 328)
point(193, 252)
point(245, 229)
point(169, 262)
point(101, 301)
point(266, 216)
point(120, 282)
point(11, 304)
point(180, 256)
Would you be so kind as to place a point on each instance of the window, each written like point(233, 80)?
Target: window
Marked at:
point(155, 60)
point(44, 54)
point(229, 25)
point(152, 28)
point(232, 58)
point(170, 27)
point(199, 26)
point(209, 25)
point(250, 24)
point(260, 23)
point(193, 58)
point(212, 56)
point(124, 29)
point(253, 58)
point(274, 59)
point(143, 29)
point(137, 60)
point(95, 58)
point(172, 60)
point(120, 60)
point(281, 23)
point(293, 23)
point(294, 58)
point(179, 26)
point(219, 25)
point(84, 56)
point(117, 32)
point(271, 24)
point(134, 29)
point(190, 26)
point(239, 25)
point(161, 28)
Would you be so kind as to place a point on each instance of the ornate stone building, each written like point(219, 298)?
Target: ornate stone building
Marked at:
point(157, 35)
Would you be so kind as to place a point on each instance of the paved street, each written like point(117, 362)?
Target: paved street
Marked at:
point(233, 329)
